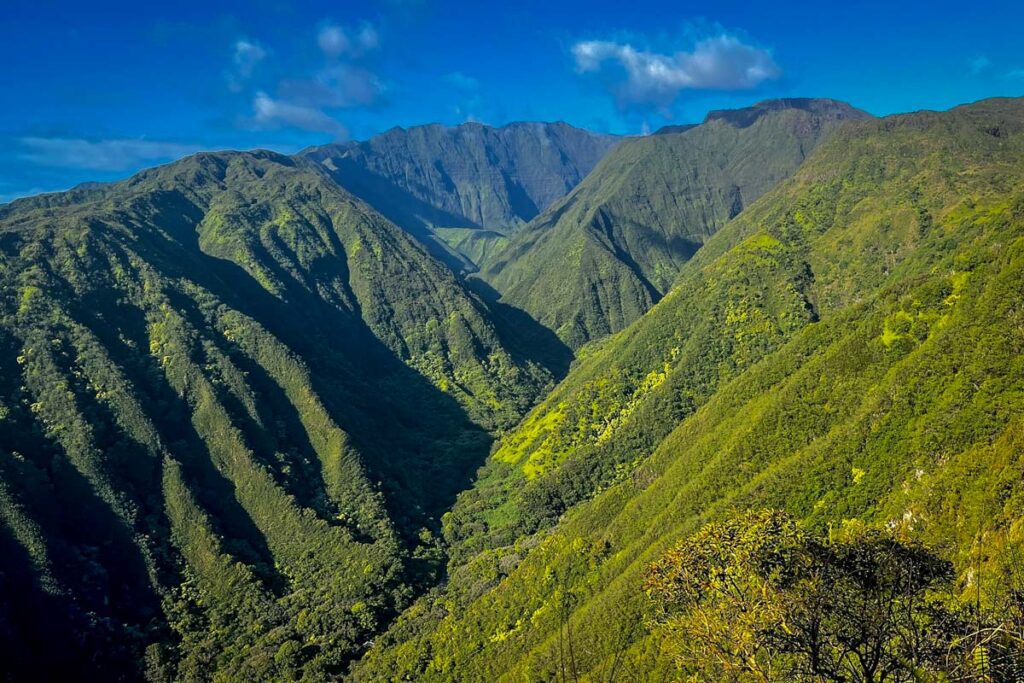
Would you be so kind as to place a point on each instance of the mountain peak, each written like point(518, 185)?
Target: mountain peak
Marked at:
point(747, 116)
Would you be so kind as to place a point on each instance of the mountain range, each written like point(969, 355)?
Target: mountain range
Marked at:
point(437, 181)
point(427, 406)
point(846, 348)
point(645, 210)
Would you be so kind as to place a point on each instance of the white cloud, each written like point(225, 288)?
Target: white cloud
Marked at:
point(334, 86)
point(1016, 74)
point(368, 38)
point(100, 155)
point(333, 40)
point(341, 82)
point(306, 100)
point(337, 41)
point(245, 56)
point(980, 63)
point(271, 113)
point(642, 77)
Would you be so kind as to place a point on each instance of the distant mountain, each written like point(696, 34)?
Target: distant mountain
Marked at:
point(466, 176)
point(234, 403)
point(850, 349)
point(821, 107)
point(676, 128)
point(597, 259)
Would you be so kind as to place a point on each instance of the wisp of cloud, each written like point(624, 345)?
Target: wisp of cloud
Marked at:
point(641, 77)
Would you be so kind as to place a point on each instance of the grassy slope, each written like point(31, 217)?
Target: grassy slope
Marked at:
point(599, 258)
point(203, 371)
point(478, 246)
point(850, 346)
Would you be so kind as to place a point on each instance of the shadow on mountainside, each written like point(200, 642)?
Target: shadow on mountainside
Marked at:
point(526, 338)
point(422, 457)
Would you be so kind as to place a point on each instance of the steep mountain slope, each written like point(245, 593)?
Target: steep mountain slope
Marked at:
point(596, 260)
point(475, 244)
point(234, 402)
point(848, 347)
point(467, 176)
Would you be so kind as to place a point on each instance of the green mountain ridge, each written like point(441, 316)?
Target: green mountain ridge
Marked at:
point(466, 176)
point(625, 231)
point(219, 369)
point(848, 347)
point(257, 422)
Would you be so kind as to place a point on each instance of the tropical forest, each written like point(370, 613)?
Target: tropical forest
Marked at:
point(717, 382)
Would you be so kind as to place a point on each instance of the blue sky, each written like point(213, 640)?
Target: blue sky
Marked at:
point(96, 91)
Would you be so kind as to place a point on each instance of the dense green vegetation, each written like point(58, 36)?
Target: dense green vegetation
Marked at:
point(468, 176)
point(234, 404)
point(474, 244)
point(241, 411)
point(758, 598)
point(596, 260)
point(848, 349)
